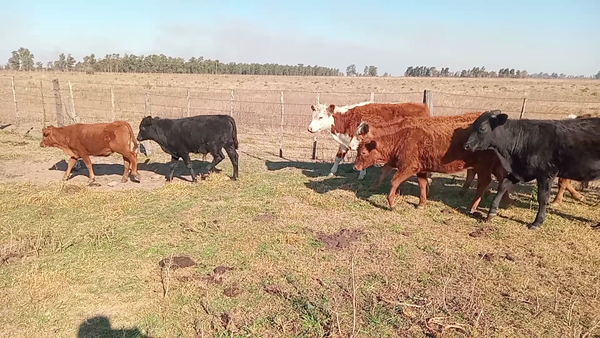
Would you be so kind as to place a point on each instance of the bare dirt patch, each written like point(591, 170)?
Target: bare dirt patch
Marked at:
point(339, 240)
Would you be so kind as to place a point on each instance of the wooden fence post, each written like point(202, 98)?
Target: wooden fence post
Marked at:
point(232, 104)
point(43, 105)
point(372, 97)
point(523, 108)
point(58, 103)
point(14, 92)
point(189, 105)
point(73, 114)
point(147, 106)
point(428, 100)
point(112, 104)
point(314, 149)
point(281, 141)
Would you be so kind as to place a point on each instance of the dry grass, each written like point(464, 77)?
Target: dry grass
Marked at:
point(257, 100)
point(71, 253)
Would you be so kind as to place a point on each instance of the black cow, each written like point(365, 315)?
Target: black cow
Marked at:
point(540, 150)
point(197, 134)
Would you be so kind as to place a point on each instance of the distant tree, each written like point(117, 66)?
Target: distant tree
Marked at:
point(351, 70)
point(39, 66)
point(14, 62)
point(50, 65)
point(366, 71)
point(597, 76)
point(61, 63)
point(70, 63)
point(372, 71)
point(21, 59)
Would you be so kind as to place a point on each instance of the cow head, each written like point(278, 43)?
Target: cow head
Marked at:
point(147, 132)
point(322, 117)
point(49, 137)
point(484, 130)
point(367, 151)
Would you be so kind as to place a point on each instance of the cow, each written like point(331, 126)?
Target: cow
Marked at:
point(538, 149)
point(341, 122)
point(82, 140)
point(414, 145)
point(201, 134)
point(563, 183)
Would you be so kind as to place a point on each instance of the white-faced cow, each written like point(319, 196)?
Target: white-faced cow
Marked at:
point(201, 134)
point(342, 122)
point(540, 150)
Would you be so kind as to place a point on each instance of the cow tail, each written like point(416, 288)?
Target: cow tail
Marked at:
point(133, 139)
point(234, 133)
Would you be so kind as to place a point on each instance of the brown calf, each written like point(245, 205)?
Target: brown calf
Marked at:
point(97, 139)
point(432, 144)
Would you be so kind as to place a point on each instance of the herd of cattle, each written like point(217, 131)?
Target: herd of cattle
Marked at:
point(400, 136)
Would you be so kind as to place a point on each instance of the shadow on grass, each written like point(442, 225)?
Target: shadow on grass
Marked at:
point(102, 169)
point(316, 169)
point(100, 327)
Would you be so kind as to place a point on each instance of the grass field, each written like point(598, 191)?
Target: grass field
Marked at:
point(285, 251)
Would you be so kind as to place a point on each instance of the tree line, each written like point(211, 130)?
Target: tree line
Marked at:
point(422, 71)
point(23, 59)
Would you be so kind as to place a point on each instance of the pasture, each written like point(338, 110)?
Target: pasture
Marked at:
point(284, 251)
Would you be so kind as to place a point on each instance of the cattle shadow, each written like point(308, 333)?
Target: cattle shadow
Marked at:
point(99, 326)
point(106, 169)
point(443, 189)
point(317, 169)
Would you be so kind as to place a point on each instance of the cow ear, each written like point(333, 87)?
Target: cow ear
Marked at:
point(501, 119)
point(331, 108)
point(312, 106)
point(371, 145)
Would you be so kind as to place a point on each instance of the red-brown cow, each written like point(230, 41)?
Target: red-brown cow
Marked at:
point(342, 122)
point(431, 144)
point(96, 139)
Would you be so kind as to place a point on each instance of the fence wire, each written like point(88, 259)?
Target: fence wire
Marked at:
point(264, 117)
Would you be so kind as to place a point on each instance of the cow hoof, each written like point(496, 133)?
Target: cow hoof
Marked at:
point(124, 180)
point(534, 226)
point(94, 184)
point(420, 206)
point(136, 179)
point(330, 175)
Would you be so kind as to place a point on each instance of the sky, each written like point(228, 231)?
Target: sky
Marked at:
point(545, 35)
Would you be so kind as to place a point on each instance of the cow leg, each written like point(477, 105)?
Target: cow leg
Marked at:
point(233, 156)
point(217, 158)
point(424, 187)
point(92, 177)
point(127, 169)
point(188, 164)
point(386, 169)
point(505, 186)
point(543, 197)
point(468, 182)
point(172, 166)
point(562, 186)
point(133, 160)
point(70, 165)
point(576, 195)
point(338, 158)
point(362, 174)
point(400, 176)
point(483, 182)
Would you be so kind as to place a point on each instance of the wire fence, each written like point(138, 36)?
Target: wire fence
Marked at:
point(268, 121)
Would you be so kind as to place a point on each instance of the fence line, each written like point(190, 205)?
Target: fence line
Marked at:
point(256, 112)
